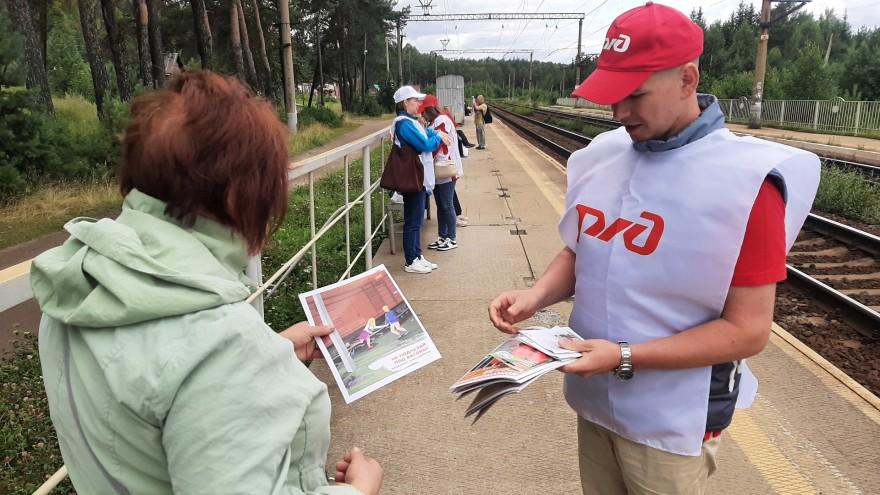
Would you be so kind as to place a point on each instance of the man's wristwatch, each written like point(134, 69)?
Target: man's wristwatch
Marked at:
point(625, 370)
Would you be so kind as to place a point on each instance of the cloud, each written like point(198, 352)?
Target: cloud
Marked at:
point(556, 40)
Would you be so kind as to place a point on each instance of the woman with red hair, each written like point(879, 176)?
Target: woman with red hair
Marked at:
point(160, 377)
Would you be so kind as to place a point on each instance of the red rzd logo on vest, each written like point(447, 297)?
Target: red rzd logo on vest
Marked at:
point(631, 230)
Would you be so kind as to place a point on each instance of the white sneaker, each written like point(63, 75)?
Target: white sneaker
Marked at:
point(436, 244)
point(425, 262)
point(416, 267)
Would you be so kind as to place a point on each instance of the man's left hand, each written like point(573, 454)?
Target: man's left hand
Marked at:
point(303, 337)
point(597, 356)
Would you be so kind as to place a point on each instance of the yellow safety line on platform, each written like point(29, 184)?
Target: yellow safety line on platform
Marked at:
point(779, 472)
point(15, 271)
point(544, 184)
point(765, 456)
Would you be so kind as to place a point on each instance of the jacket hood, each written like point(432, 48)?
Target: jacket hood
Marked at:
point(142, 266)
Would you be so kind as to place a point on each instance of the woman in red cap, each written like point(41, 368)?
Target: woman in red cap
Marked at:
point(444, 190)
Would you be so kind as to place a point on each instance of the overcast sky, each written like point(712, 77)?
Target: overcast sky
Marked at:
point(557, 40)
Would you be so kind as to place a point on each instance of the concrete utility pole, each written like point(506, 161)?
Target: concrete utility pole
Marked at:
point(364, 74)
point(577, 61)
point(287, 64)
point(531, 55)
point(387, 62)
point(761, 57)
point(760, 67)
point(399, 55)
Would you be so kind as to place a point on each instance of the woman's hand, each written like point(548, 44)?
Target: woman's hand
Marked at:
point(303, 337)
point(444, 137)
point(360, 471)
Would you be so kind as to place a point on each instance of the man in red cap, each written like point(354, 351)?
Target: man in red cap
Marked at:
point(675, 235)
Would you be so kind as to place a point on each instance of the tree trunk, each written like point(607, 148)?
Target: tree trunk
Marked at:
point(235, 36)
point(268, 85)
point(253, 80)
point(204, 38)
point(97, 64)
point(312, 88)
point(40, 14)
point(157, 58)
point(34, 57)
point(117, 49)
point(141, 20)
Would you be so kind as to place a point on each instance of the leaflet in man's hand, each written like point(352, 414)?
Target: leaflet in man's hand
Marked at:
point(513, 365)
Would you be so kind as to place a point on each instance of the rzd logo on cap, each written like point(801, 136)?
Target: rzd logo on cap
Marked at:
point(630, 229)
point(619, 45)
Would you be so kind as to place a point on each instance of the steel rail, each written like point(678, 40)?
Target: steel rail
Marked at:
point(511, 118)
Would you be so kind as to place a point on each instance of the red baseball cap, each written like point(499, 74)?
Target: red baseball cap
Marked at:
point(640, 42)
point(430, 101)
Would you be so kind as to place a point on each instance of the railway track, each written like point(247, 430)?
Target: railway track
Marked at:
point(833, 262)
point(870, 172)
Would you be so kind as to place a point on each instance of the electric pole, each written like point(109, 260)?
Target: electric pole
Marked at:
point(399, 55)
point(577, 61)
point(531, 55)
point(761, 57)
point(387, 62)
point(364, 74)
point(760, 67)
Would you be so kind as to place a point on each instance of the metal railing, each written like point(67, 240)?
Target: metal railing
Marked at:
point(581, 103)
point(302, 169)
point(836, 114)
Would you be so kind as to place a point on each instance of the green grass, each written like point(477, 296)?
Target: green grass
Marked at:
point(316, 135)
point(48, 208)
point(846, 193)
point(283, 308)
point(28, 445)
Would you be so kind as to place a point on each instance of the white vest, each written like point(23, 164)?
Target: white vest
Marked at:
point(427, 158)
point(452, 147)
point(657, 237)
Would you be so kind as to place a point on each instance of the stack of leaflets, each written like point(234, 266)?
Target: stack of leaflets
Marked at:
point(513, 365)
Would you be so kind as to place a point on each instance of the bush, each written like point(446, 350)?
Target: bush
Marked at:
point(319, 115)
point(368, 106)
point(36, 148)
point(848, 194)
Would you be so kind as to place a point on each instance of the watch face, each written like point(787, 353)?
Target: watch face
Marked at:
point(625, 374)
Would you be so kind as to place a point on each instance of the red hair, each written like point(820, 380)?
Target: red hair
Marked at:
point(207, 146)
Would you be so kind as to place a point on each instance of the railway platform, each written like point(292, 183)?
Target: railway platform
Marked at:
point(811, 430)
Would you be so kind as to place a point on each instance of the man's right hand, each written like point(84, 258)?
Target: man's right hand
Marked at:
point(513, 307)
point(360, 471)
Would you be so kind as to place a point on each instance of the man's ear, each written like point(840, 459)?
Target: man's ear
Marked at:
point(690, 79)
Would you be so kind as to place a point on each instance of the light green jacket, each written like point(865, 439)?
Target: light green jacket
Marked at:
point(160, 378)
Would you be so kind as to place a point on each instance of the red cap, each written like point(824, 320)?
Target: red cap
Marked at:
point(640, 42)
point(430, 101)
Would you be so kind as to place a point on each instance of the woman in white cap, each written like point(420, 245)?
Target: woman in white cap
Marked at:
point(408, 132)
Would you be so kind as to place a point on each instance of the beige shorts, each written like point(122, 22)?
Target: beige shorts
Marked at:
point(611, 465)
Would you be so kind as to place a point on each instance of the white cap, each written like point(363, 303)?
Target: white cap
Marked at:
point(405, 93)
